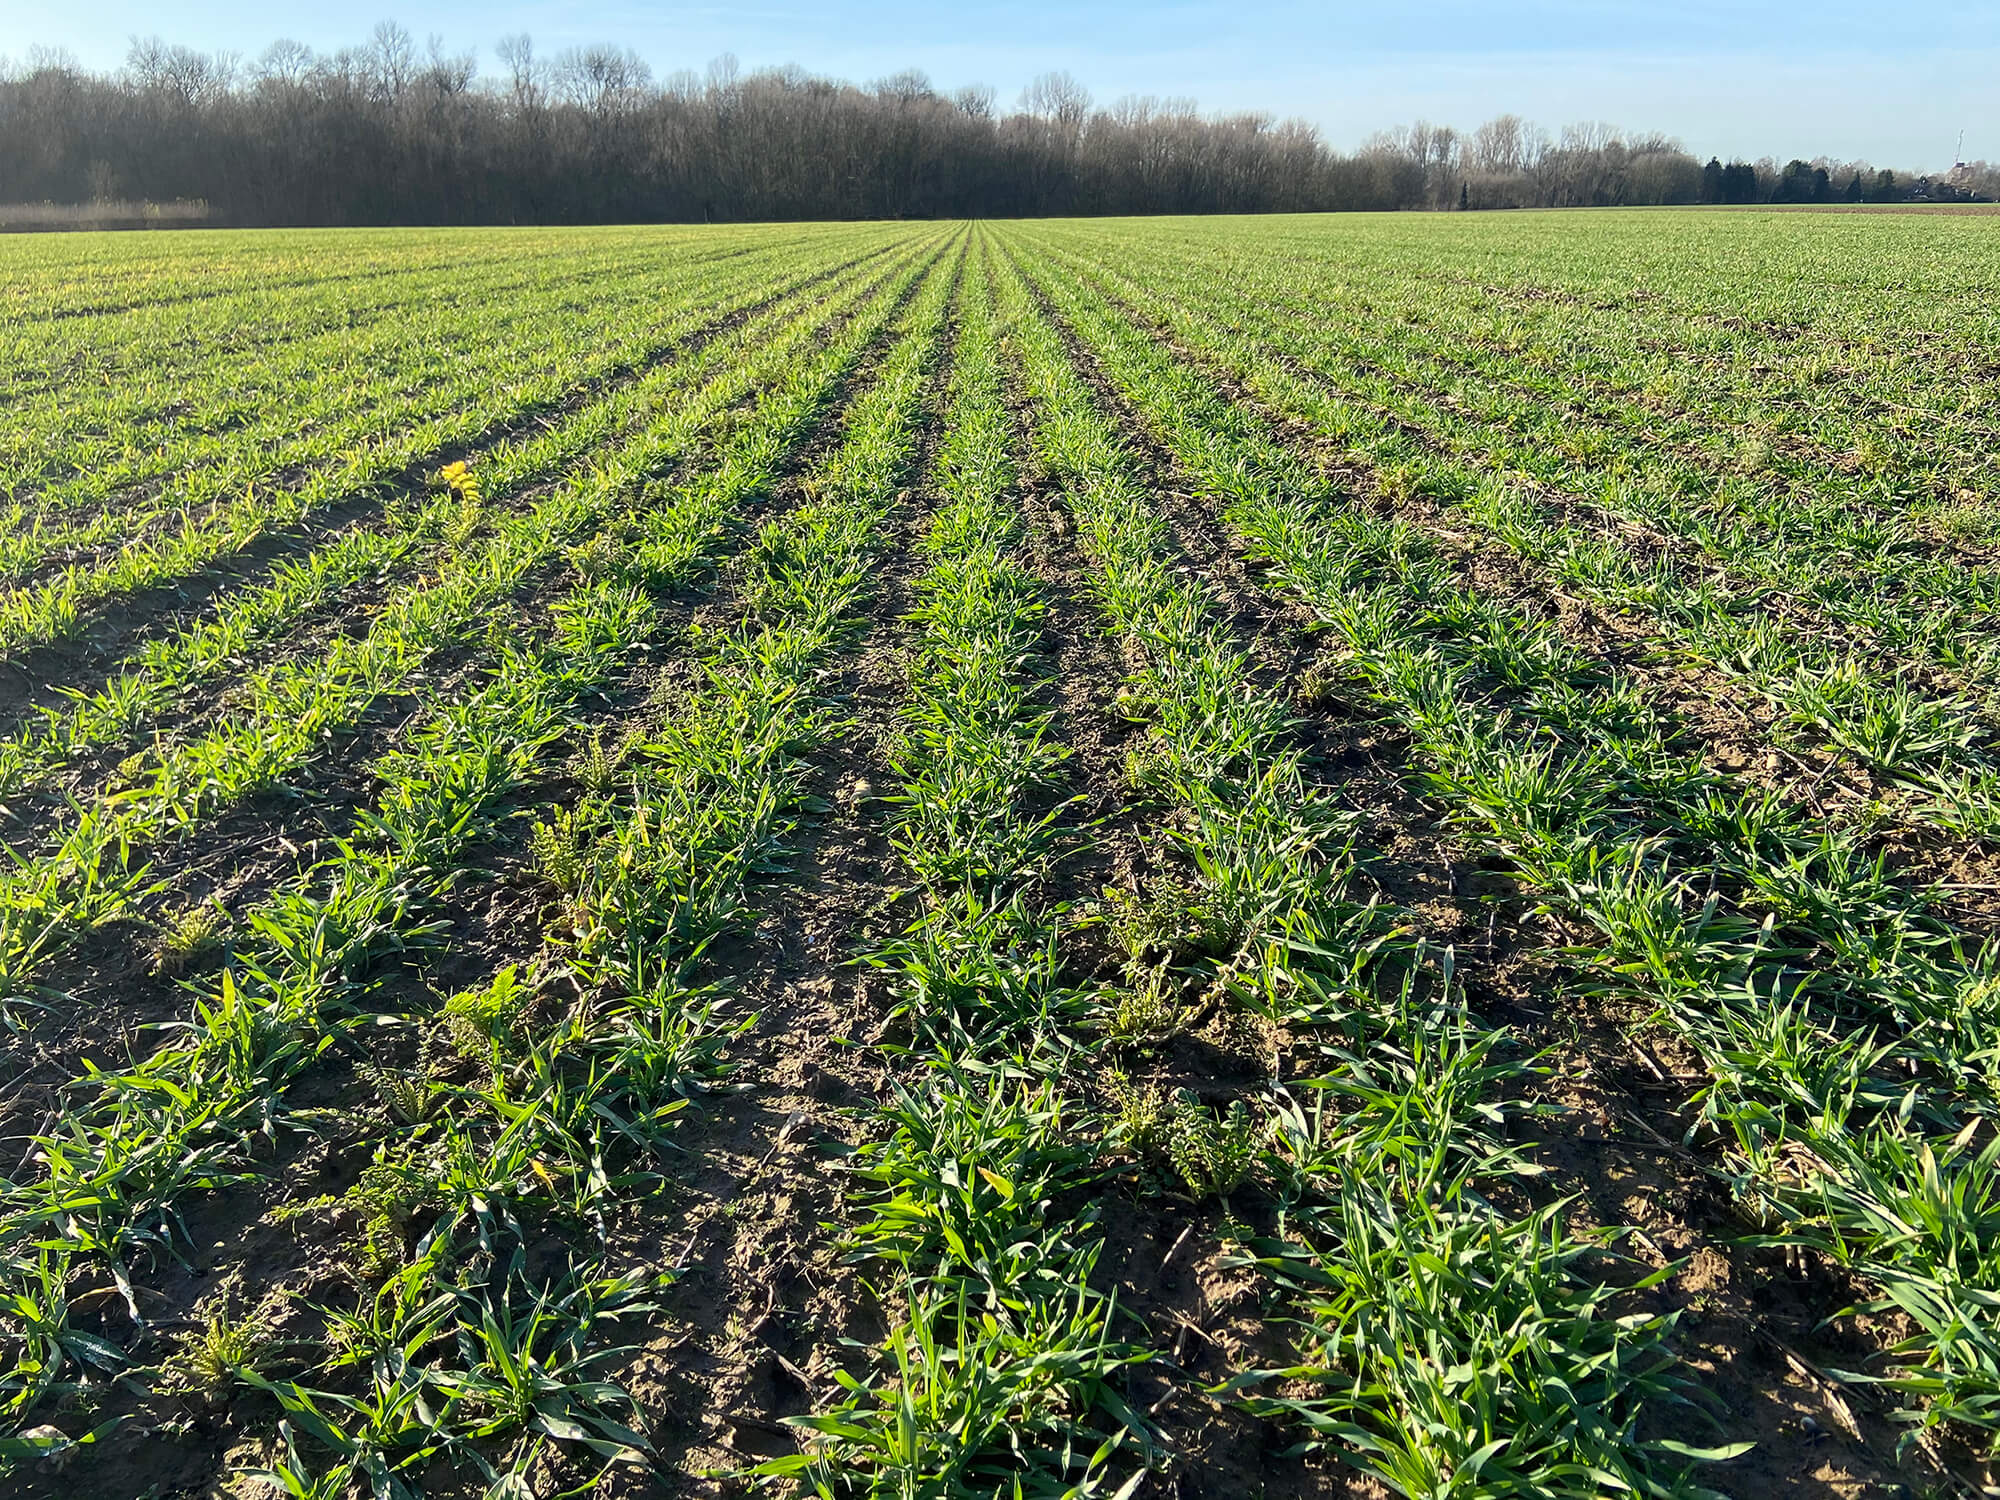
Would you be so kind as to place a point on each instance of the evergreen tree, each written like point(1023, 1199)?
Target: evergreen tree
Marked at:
point(1711, 182)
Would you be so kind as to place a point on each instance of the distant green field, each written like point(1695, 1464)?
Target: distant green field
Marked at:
point(1195, 857)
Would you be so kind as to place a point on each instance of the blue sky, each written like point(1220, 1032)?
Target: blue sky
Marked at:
point(1894, 84)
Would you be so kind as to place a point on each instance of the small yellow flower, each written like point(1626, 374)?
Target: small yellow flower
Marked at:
point(460, 478)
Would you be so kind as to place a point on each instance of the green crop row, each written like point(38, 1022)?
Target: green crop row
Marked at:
point(1900, 685)
point(246, 415)
point(88, 875)
point(451, 638)
point(167, 666)
point(198, 531)
point(648, 868)
point(1448, 1342)
point(1003, 1367)
point(1840, 1020)
point(246, 407)
point(533, 1136)
point(1843, 412)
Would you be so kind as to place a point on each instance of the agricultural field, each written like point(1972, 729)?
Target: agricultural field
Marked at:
point(1342, 856)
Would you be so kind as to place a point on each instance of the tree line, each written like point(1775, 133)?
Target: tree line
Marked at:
point(1510, 162)
point(392, 133)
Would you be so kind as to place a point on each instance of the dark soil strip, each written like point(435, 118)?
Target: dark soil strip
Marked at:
point(499, 920)
point(351, 611)
point(1641, 541)
point(763, 1301)
point(248, 290)
point(1718, 715)
point(1163, 1259)
point(1754, 1321)
point(1601, 402)
point(109, 982)
point(762, 1290)
point(120, 622)
point(328, 326)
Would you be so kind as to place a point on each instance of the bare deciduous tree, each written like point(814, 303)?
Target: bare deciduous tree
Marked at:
point(386, 133)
